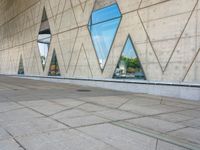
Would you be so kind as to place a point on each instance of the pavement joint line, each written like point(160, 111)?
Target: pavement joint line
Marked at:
point(33, 110)
point(90, 125)
point(131, 111)
point(163, 137)
point(123, 103)
point(89, 102)
point(185, 127)
point(179, 122)
point(46, 116)
point(78, 99)
point(39, 133)
point(156, 144)
point(75, 107)
point(15, 140)
point(11, 110)
point(160, 136)
point(98, 139)
point(144, 115)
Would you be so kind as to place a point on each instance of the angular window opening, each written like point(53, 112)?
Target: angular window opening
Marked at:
point(103, 26)
point(129, 66)
point(54, 67)
point(21, 66)
point(44, 38)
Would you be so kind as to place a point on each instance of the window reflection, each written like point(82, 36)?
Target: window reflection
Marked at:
point(129, 64)
point(103, 26)
point(54, 68)
point(21, 67)
point(44, 39)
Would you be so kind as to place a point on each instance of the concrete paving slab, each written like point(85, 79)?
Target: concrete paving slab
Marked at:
point(190, 113)
point(3, 134)
point(155, 124)
point(20, 114)
point(172, 117)
point(7, 106)
point(150, 110)
point(63, 140)
point(68, 103)
point(142, 101)
point(167, 146)
point(121, 138)
point(35, 103)
point(72, 113)
point(191, 123)
point(32, 126)
point(92, 107)
point(83, 121)
point(48, 109)
point(190, 134)
point(180, 104)
point(109, 101)
point(115, 115)
point(9, 145)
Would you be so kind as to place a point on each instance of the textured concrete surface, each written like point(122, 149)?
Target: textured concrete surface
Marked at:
point(38, 115)
point(166, 40)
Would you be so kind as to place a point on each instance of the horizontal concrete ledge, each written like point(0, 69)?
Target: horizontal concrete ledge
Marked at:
point(185, 91)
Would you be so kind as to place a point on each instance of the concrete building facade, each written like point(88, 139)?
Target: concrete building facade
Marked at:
point(165, 35)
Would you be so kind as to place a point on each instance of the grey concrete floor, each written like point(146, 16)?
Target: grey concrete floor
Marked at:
point(38, 115)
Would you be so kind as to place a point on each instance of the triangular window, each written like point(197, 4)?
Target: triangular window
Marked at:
point(129, 66)
point(21, 66)
point(54, 69)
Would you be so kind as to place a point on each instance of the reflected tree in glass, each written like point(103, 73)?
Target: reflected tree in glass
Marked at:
point(103, 25)
point(129, 66)
point(44, 39)
point(54, 67)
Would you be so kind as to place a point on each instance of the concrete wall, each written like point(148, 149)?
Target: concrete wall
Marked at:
point(165, 34)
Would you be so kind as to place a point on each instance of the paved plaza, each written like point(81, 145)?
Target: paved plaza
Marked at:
point(39, 115)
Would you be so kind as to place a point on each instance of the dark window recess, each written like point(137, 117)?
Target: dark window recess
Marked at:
point(21, 66)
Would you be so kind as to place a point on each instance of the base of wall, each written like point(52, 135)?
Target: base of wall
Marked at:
point(174, 90)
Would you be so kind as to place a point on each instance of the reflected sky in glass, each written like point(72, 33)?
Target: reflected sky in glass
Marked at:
point(44, 48)
point(105, 14)
point(103, 26)
point(129, 50)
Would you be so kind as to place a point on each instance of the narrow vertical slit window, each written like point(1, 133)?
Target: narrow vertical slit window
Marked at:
point(129, 66)
point(103, 26)
point(44, 38)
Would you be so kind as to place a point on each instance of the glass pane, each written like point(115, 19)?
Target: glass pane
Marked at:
point(105, 14)
point(129, 65)
point(44, 39)
point(21, 67)
point(103, 26)
point(54, 68)
point(103, 35)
